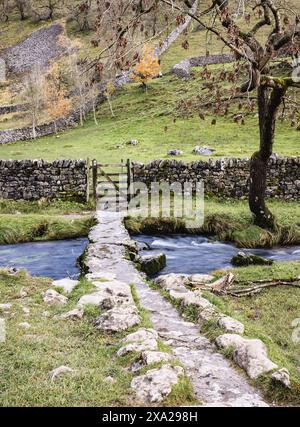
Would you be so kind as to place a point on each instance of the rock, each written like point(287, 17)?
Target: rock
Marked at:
point(109, 295)
point(132, 142)
point(75, 314)
point(109, 379)
point(249, 354)
point(52, 297)
point(46, 314)
point(105, 275)
point(67, 285)
point(207, 314)
point(282, 376)
point(152, 264)
point(244, 259)
point(182, 69)
point(203, 151)
point(26, 311)
point(150, 357)
point(5, 307)
point(171, 281)
point(59, 371)
point(23, 293)
point(143, 246)
point(25, 325)
point(118, 319)
point(175, 152)
point(141, 334)
point(156, 384)
point(196, 279)
point(231, 325)
point(149, 344)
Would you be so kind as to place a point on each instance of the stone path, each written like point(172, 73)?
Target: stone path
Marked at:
point(216, 382)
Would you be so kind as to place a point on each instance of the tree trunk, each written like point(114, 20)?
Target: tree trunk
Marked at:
point(269, 101)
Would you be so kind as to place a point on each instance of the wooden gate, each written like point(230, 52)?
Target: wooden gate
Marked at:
point(115, 176)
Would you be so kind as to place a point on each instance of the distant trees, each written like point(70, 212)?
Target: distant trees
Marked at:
point(57, 103)
point(147, 68)
point(34, 95)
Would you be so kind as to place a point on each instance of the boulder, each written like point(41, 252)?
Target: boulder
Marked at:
point(207, 314)
point(175, 152)
point(67, 285)
point(182, 69)
point(118, 319)
point(156, 384)
point(152, 264)
point(282, 376)
point(171, 281)
point(138, 347)
point(242, 259)
point(52, 297)
point(108, 295)
point(141, 334)
point(231, 325)
point(250, 354)
point(75, 314)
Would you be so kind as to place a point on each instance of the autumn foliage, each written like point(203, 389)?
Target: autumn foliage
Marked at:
point(147, 68)
point(57, 103)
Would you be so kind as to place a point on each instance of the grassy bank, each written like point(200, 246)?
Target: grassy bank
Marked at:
point(269, 316)
point(229, 221)
point(30, 227)
point(28, 355)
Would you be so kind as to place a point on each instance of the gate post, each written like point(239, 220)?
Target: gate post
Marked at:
point(95, 178)
point(128, 180)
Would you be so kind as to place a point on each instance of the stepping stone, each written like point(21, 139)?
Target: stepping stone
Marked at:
point(67, 285)
point(52, 297)
point(118, 319)
point(250, 354)
point(156, 384)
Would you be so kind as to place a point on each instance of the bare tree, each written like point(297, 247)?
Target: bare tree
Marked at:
point(33, 95)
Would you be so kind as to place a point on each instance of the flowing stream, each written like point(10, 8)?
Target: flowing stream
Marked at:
point(195, 254)
point(55, 259)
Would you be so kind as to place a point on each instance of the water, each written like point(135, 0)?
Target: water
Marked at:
point(56, 259)
point(196, 254)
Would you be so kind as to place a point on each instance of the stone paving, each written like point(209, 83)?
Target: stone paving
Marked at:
point(215, 380)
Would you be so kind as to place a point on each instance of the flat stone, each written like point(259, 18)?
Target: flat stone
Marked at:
point(200, 278)
point(118, 319)
point(171, 281)
point(282, 376)
point(250, 354)
point(67, 285)
point(75, 314)
point(52, 297)
point(231, 325)
point(5, 307)
point(150, 357)
point(141, 334)
point(109, 295)
point(137, 347)
point(61, 370)
point(156, 384)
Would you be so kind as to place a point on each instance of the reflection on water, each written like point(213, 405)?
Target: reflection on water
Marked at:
point(57, 259)
point(196, 254)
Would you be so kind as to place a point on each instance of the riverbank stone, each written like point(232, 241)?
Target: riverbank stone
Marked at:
point(152, 264)
point(52, 297)
point(250, 354)
point(67, 284)
point(243, 259)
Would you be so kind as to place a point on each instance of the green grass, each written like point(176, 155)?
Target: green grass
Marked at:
point(28, 356)
point(269, 316)
point(44, 206)
point(32, 227)
point(150, 119)
point(229, 220)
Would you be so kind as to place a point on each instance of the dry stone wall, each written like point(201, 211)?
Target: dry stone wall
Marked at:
point(36, 179)
point(226, 177)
